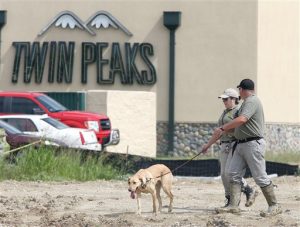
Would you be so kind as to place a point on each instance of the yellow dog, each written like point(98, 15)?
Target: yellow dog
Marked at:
point(151, 180)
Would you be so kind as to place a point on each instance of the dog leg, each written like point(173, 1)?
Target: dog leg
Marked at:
point(171, 196)
point(158, 187)
point(171, 202)
point(138, 199)
point(154, 198)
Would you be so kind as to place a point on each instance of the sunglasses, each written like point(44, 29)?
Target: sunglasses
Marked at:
point(224, 99)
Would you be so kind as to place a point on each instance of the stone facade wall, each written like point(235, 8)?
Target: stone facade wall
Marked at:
point(283, 137)
point(190, 137)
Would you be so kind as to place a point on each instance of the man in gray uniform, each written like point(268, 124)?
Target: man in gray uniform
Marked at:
point(249, 151)
point(230, 99)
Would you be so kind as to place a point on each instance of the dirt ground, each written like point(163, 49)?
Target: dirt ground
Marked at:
point(108, 203)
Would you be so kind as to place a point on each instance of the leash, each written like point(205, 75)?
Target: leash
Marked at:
point(19, 148)
point(173, 170)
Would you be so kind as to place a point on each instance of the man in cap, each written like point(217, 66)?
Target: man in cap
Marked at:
point(230, 99)
point(249, 151)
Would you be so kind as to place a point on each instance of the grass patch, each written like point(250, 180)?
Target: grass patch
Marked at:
point(289, 157)
point(51, 165)
point(283, 157)
point(47, 164)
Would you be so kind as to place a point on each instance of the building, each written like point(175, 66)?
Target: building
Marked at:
point(65, 46)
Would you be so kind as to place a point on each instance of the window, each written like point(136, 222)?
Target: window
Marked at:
point(23, 105)
point(24, 125)
point(55, 123)
point(2, 104)
point(51, 104)
point(9, 128)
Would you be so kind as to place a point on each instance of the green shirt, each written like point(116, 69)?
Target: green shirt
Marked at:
point(251, 109)
point(227, 116)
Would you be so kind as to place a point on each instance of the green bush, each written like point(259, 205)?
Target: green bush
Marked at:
point(48, 164)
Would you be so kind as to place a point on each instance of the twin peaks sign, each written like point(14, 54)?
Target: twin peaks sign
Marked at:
point(59, 57)
point(54, 61)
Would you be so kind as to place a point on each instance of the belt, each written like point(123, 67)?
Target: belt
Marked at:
point(230, 141)
point(249, 139)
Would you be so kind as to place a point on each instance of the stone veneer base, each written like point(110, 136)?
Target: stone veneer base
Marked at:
point(190, 137)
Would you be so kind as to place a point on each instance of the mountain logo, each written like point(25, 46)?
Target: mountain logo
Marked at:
point(105, 19)
point(100, 19)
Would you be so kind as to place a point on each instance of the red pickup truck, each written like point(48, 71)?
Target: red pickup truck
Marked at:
point(39, 103)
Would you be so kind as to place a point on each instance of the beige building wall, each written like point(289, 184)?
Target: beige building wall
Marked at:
point(216, 48)
point(133, 113)
point(278, 59)
point(218, 44)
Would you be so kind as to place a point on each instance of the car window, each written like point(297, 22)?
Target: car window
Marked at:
point(23, 124)
point(23, 105)
point(55, 123)
point(9, 128)
point(2, 104)
point(51, 104)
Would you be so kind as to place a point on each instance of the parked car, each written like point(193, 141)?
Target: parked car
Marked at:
point(39, 103)
point(50, 128)
point(15, 138)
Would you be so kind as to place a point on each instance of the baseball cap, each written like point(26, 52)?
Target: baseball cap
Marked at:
point(246, 84)
point(230, 92)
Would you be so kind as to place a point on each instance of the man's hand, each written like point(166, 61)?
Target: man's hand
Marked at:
point(218, 132)
point(205, 148)
point(215, 136)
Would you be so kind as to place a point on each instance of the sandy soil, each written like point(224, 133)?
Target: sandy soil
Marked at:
point(107, 203)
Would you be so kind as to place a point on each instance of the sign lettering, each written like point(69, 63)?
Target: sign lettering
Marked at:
point(122, 63)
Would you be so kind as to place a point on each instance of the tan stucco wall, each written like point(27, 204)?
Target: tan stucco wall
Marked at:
point(216, 47)
point(218, 44)
point(134, 114)
point(278, 59)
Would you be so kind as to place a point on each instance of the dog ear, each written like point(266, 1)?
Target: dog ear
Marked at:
point(143, 182)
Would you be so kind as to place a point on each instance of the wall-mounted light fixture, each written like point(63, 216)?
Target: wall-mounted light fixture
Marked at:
point(172, 21)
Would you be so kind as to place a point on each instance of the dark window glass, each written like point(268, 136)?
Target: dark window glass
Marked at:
point(24, 125)
point(2, 104)
point(23, 105)
point(55, 123)
point(51, 104)
point(9, 128)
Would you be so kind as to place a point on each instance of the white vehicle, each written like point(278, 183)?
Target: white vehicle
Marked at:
point(50, 128)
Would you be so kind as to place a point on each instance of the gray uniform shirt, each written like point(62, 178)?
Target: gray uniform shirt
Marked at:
point(251, 109)
point(227, 116)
